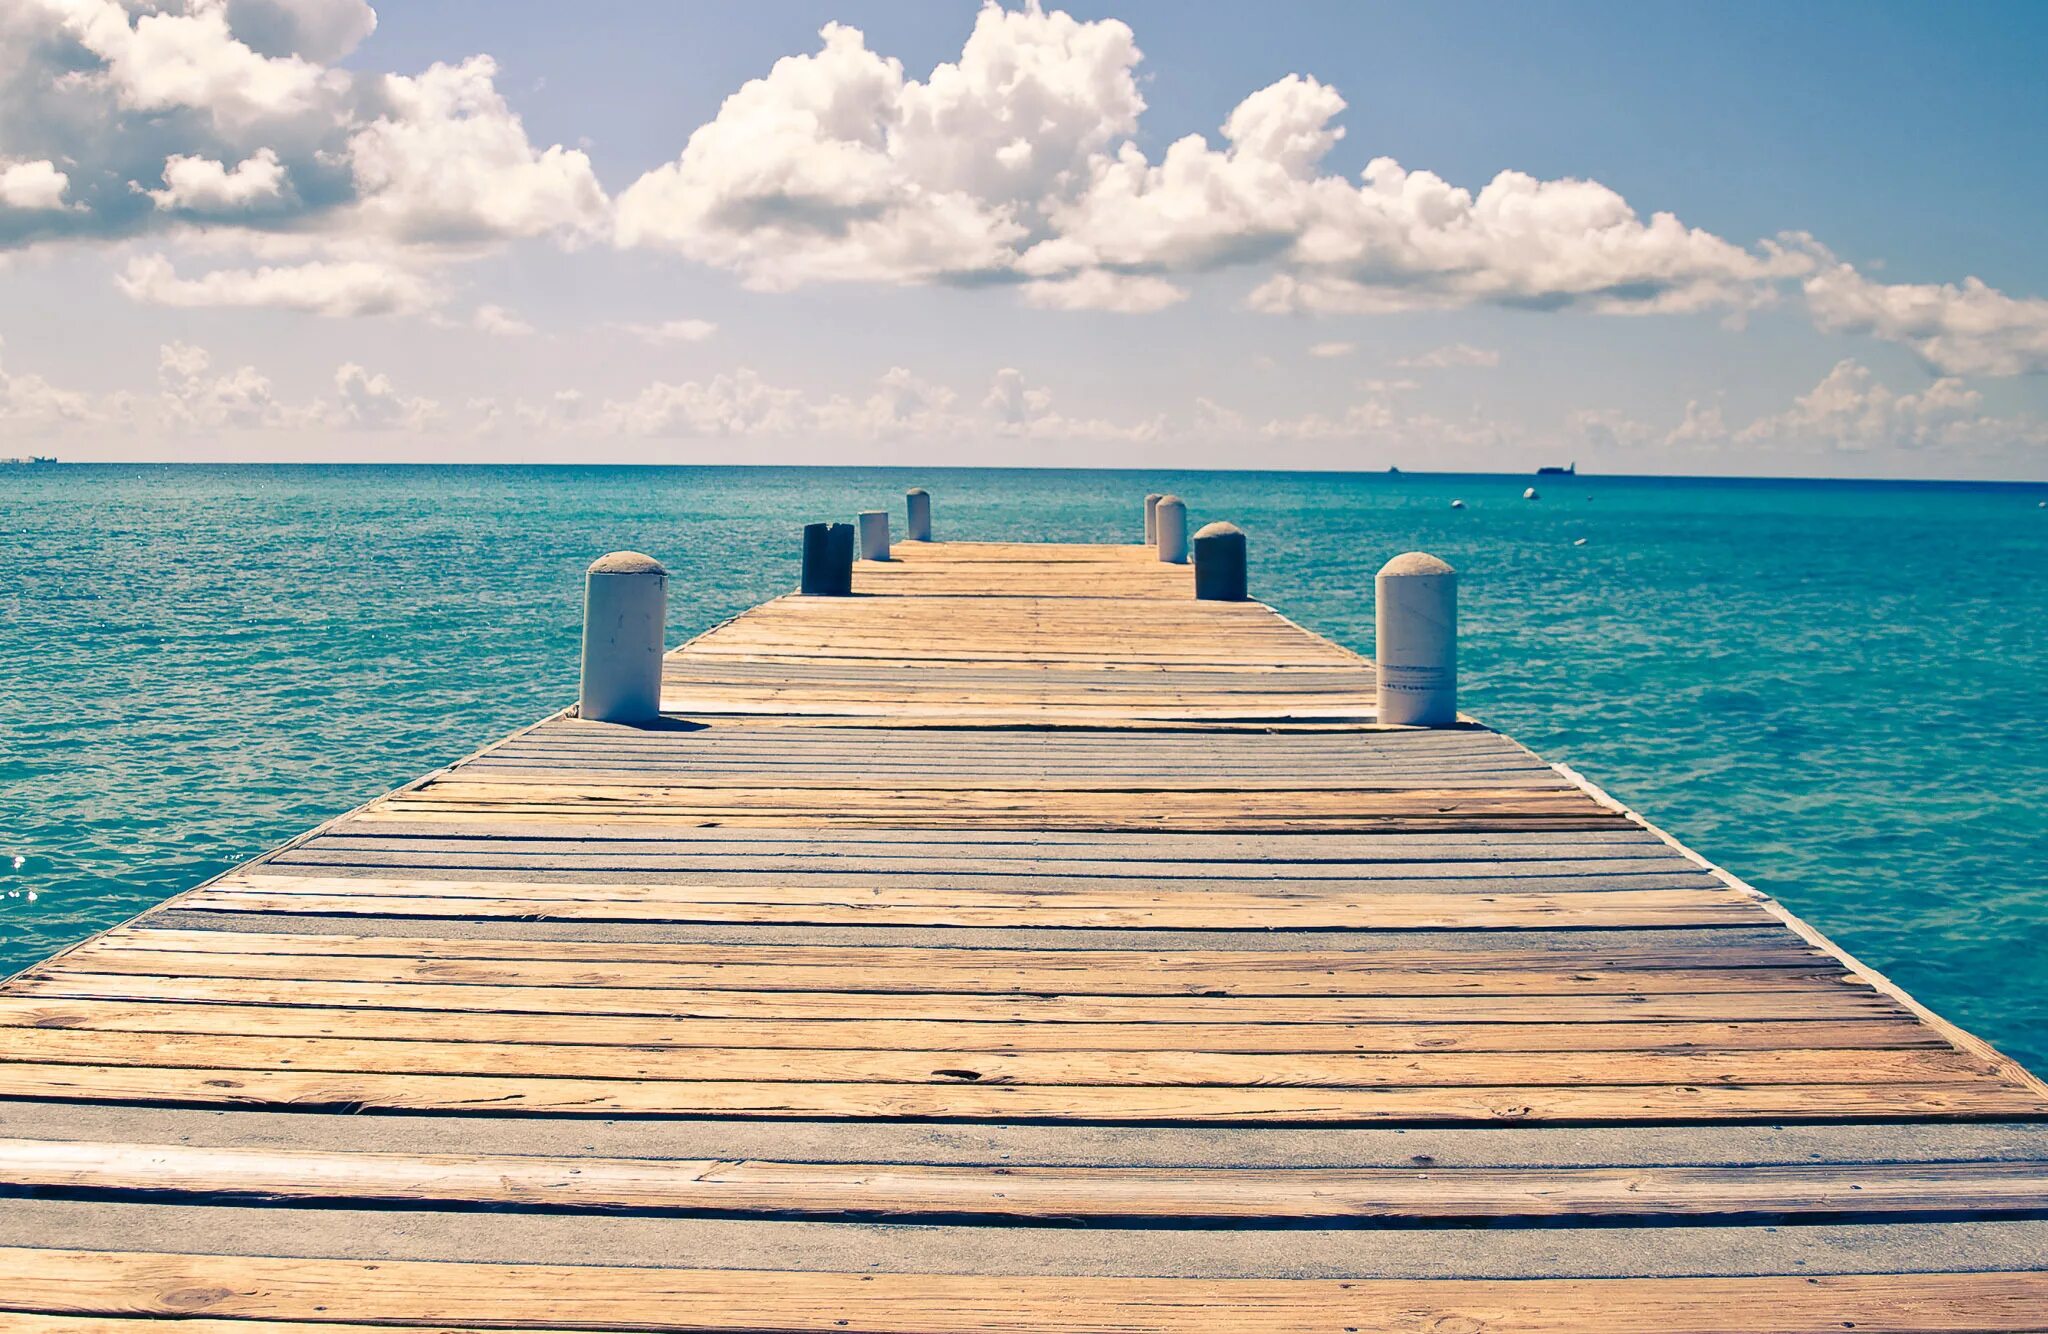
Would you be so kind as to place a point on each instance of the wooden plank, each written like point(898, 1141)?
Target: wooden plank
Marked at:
point(936, 794)
point(1211, 975)
point(476, 854)
point(1626, 841)
point(1488, 956)
point(58, 980)
point(1095, 905)
point(455, 808)
point(1977, 1098)
point(730, 1300)
point(1006, 1191)
point(309, 1020)
point(1075, 1066)
point(1477, 808)
point(944, 874)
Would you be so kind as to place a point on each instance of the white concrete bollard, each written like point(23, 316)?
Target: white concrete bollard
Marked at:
point(1415, 614)
point(918, 502)
point(625, 602)
point(1171, 520)
point(874, 535)
point(1152, 499)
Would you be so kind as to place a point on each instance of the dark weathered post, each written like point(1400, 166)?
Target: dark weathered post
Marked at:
point(1219, 564)
point(828, 560)
point(918, 504)
point(841, 539)
point(817, 578)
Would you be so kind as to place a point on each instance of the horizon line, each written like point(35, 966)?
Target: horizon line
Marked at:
point(24, 464)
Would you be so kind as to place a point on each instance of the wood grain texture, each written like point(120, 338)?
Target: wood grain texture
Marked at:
point(889, 1190)
point(732, 1300)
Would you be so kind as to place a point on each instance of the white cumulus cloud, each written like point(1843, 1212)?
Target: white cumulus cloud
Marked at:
point(450, 161)
point(190, 400)
point(1103, 289)
point(737, 404)
point(835, 166)
point(368, 400)
point(211, 120)
point(1018, 163)
point(319, 287)
point(31, 405)
point(202, 185)
point(33, 186)
point(1971, 329)
point(187, 57)
point(1850, 410)
point(902, 405)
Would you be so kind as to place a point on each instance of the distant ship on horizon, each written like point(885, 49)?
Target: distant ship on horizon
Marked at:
point(1552, 470)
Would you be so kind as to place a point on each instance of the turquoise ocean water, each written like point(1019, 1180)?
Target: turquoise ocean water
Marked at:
point(1834, 689)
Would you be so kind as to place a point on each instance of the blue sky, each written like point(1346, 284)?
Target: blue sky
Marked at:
point(291, 229)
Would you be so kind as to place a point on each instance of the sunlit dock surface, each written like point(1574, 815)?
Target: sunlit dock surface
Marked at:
point(1018, 944)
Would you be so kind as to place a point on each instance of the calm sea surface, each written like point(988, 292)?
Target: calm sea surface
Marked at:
point(1835, 690)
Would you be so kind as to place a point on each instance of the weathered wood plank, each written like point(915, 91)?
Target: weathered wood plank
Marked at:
point(1026, 1192)
point(731, 1300)
point(1436, 1105)
point(1834, 1003)
point(286, 1019)
point(1488, 956)
point(1196, 975)
point(1093, 904)
point(1076, 1066)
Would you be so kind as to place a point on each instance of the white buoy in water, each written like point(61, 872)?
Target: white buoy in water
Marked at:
point(625, 601)
point(1457, 504)
point(1530, 494)
point(1415, 612)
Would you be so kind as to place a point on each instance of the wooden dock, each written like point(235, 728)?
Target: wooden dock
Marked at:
point(1018, 945)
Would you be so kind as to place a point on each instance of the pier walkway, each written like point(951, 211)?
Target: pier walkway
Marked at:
point(1017, 945)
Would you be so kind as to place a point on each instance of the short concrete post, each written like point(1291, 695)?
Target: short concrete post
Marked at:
point(919, 504)
point(625, 602)
point(820, 579)
point(1416, 641)
point(874, 535)
point(840, 552)
point(1152, 499)
point(1219, 563)
point(1170, 518)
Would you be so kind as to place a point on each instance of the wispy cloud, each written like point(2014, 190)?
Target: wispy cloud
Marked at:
point(1451, 354)
point(673, 331)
